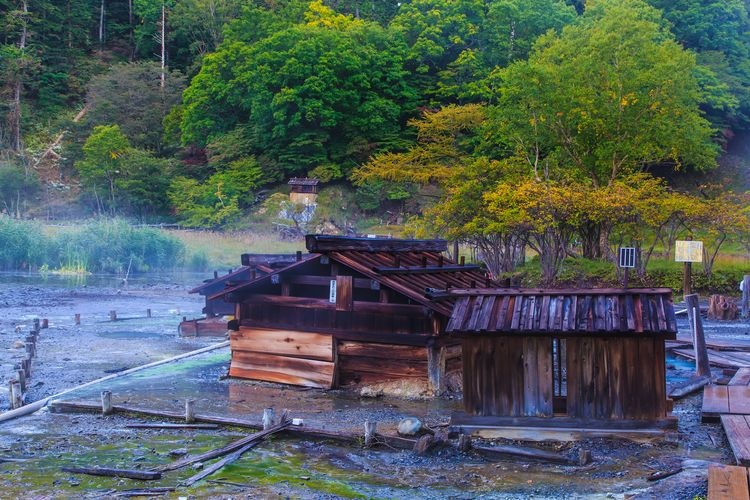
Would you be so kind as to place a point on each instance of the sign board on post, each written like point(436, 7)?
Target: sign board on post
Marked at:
point(332, 292)
point(627, 257)
point(688, 251)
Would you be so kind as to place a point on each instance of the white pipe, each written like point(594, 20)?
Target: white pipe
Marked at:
point(37, 405)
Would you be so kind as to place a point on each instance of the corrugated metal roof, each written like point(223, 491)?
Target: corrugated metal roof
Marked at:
point(571, 312)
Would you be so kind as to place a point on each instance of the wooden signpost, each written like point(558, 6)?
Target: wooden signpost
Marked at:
point(688, 251)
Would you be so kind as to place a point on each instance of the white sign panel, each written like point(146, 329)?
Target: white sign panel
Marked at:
point(688, 251)
point(627, 257)
point(332, 292)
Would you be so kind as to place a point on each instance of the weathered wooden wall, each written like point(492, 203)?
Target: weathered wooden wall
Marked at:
point(607, 378)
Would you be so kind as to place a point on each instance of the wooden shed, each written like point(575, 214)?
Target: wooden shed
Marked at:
point(591, 358)
point(352, 311)
point(304, 190)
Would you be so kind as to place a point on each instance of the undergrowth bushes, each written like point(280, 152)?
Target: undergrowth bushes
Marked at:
point(104, 245)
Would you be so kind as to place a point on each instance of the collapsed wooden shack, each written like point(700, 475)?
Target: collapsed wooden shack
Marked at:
point(591, 358)
point(352, 311)
point(253, 265)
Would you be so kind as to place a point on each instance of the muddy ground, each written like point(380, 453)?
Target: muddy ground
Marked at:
point(69, 355)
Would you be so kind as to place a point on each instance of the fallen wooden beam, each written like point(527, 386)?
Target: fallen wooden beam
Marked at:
point(527, 453)
point(144, 475)
point(691, 385)
point(144, 492)
point(231, 447)
point(218, 465)
point(303, 432)
point(172, 426)
point(663, 474)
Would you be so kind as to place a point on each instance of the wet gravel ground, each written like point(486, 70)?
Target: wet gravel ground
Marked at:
point(69, 355)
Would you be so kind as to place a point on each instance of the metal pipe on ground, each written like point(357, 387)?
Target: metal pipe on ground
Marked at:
point(37, 405)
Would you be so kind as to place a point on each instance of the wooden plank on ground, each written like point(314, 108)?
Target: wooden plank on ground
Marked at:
point(715, 401)
point(283, 342)
point(282, 369)
point(722, 359)
point(727, 482)
point(737, 429)
point(742, 377)
point(739, 399)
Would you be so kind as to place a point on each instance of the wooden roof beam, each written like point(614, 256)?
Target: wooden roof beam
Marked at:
point(318, 243)
point(424, 270)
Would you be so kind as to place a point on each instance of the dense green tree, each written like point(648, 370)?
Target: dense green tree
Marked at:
point(103, 153)
point(329, 91)
point(718, 31)
point(130, 95)
point(611, 95)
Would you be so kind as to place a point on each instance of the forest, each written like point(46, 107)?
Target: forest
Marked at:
point(553, 128)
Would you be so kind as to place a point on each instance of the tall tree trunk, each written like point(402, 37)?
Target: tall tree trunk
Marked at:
point(163, 41)
point(14, 115)
point(131, 36)
point(101, 25)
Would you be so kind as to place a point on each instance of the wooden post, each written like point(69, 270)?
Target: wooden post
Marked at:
point(462, 260)
point(299, 255)
point(78, 318)
point(267, 418)
point(436, 369)
point(189, 411)
point(370, 433)
point(30, 350)
point(464, 443)
point(148, 313)
point(21, 379)
point(746, 296)
point(687, 275)
point(702, 367)
point(216, 274)
point(16, 396)
point(113, 315)
point(26, 365)
point(45, 323)
point(36, 324)
point(455, 251)
point(106, 402)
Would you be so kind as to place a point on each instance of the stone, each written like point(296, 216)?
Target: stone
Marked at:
point(409, 426)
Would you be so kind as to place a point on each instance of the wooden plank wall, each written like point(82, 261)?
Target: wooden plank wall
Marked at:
point(284, 356)
point(510, 376)
point(361, 362)
point(616, 378)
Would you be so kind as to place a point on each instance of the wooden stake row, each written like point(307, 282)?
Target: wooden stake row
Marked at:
point(18, 384)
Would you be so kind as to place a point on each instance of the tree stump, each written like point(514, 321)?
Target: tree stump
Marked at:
point(722, 307)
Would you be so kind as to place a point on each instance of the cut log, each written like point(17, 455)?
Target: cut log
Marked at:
point(663, 474)
point(722, 308)
point(144, 492)
point(144, 475)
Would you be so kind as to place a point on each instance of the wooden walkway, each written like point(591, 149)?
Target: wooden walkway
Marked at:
point(723, 359)
point(728, 482)
point(716, 344)
point(731, 404)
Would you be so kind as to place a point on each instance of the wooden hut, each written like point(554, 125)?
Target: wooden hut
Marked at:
point(304, 190)
point(352, 311)
point(584, 359)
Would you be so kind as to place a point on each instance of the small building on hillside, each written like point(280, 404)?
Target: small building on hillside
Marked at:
point(304, 190)
point(576, 359)
point(352, 311)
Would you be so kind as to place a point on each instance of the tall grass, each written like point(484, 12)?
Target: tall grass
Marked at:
point(103, 245)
